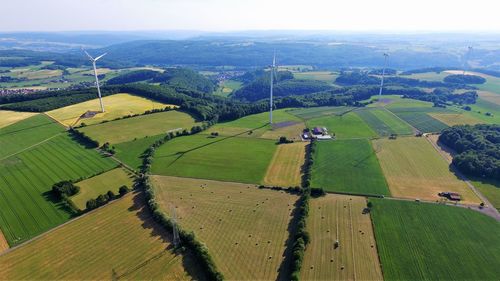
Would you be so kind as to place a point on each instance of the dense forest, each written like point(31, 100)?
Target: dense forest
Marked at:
point(285, 85)
point(464, 79)
point(177, 77)
point(478, 149)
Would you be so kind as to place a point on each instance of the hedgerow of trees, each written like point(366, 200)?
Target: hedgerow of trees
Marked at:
point(478, 149)
point(464, 79)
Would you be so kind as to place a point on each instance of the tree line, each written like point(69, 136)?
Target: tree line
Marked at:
point(478, 149)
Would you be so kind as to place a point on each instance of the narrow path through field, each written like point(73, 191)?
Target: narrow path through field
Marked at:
point(488, 209)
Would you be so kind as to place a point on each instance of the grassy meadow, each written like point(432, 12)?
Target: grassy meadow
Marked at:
point(118, 241)
point(414, 169)
point(338, 217)
point(254, 125)
point(421, 241)
point(26, 133)
point(10, 117)
point(228, 159)
point(315, 112)
point(26, 179)
point(347, 126)
point(490, 189)
point(452, 119)
point(115, 106)
point(286, 165)
point(244, 228)
point(139, 127)
point(347, 166)
point(101, 184)
point(130, 152)
point(325, 76)
point(227, 87)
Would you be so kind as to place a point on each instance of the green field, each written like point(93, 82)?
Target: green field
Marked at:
point(244, 228)
point(347, 126)
point(139, 127)
point(383, 122)
point(414, 169)
point(26, 133)
point(100, 184)
point(395, 101)
point(490, 189)
point(227, 159)
point(27, 178)
point(420, 241)
point(10, 117)
point(258, 124)
point(422, 121)
point(348, 166)
point(227, 87)
point(326, 76)
point(314, 112)
point(117, 242)
point(481, 107)
point(130, 152)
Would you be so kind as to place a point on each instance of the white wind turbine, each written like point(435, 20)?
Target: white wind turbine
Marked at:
point(273, 67)
point(93, 60)
point(383, 74)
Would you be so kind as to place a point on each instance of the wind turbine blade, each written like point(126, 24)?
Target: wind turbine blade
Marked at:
point(100, 56)
point(90, 57)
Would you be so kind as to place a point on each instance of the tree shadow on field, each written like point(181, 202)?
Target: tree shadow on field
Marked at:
point(50, 197)
point(156, 231)
point(284, 271)
point(178, 155)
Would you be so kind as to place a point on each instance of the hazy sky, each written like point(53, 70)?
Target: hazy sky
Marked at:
point(227, 15)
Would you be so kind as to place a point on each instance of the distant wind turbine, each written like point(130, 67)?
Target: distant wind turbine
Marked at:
point(273, 67)
point(383, 74)
point(93, 60)
point(466, 58)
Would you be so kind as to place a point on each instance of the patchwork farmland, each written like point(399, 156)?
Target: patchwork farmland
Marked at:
point(345, 126)
point(116, 106)
point(315, 112)
point(28, 177)
point(140, 249)
point(414, 169)
point(349, 166)
point(421, 241)
point(244, 228)
point(338, 217)
point(139, 127)
point(420, 120)
point(384, 123)
point(10, 117)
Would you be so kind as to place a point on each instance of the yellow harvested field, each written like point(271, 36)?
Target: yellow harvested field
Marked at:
point(285, 168)
point(467, 73)
point(118, 241)
point(244, 228)
point(10, 117)
point(452, 119)
point(339, 217)
point(291, 132)
point(489, 96)
point(115, 106)
point(414, 169)
point(3, 243)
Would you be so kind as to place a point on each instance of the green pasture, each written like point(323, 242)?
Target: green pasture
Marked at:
point(346, 126)
point(384, 122)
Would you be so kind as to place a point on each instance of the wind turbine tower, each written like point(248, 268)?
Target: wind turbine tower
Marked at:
point(93, 60)
point(466, 58)
point(271, 90)
point(383, 74)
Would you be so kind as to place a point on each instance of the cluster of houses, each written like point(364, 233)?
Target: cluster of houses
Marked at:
point(319, 133)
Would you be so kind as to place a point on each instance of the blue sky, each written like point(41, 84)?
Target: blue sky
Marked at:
point(231, 15)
